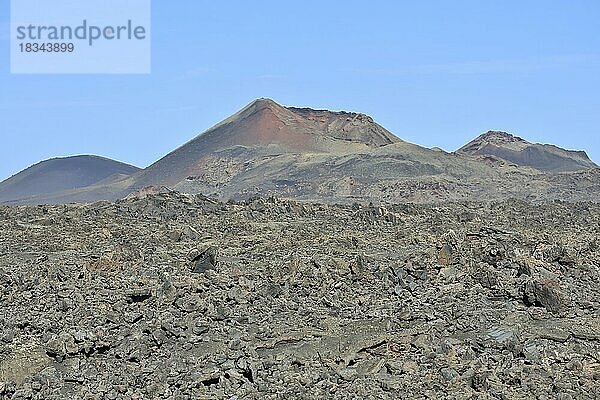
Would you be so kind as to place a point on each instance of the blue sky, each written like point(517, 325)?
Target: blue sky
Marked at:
point(435, 73)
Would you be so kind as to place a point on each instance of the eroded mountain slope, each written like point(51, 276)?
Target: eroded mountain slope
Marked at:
point(516, 150)
point(58, 175)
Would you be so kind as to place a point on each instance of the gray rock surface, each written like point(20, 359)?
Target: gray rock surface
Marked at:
point(299, 301)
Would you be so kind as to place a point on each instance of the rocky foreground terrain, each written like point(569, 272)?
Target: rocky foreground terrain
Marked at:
point(182, 297)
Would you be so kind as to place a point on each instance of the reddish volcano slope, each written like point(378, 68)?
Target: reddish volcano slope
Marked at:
point(274, 129)
point(317, 155)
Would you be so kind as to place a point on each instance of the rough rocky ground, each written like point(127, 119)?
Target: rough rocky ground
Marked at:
point(175, 297)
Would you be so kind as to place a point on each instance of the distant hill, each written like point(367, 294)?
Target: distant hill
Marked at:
point(271, 129)
point(341, 157)
point(61, 174)
point(513, 149)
